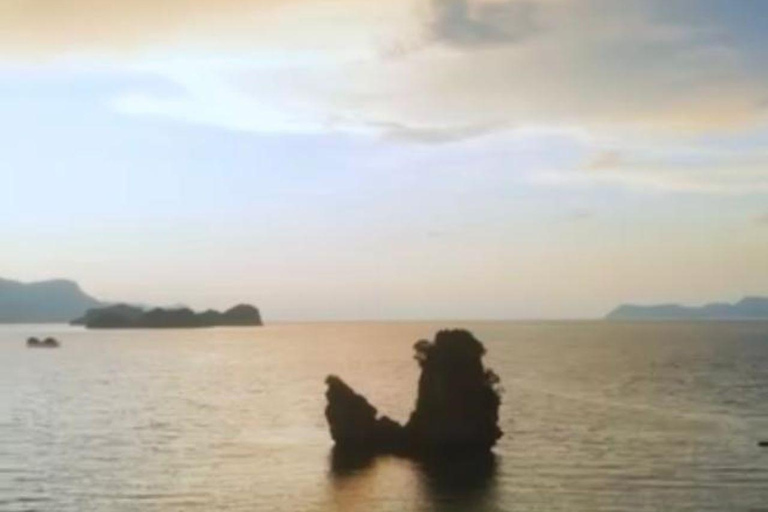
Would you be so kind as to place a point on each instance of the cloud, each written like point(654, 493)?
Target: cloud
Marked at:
point(399, 132)
point(628, 75)
point(669, 171)
point(473, 23)
point(604, 160)
point(51, 29)
point(589, 66)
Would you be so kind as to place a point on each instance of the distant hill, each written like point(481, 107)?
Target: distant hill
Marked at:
point(749, 308)
point(53, 301)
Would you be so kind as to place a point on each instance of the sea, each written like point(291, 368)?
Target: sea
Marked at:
point(597, 416)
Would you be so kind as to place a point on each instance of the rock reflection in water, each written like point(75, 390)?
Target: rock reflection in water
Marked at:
point(459, 482)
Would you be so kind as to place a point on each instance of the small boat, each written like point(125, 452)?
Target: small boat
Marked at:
point(763, 444)
point(46, 343)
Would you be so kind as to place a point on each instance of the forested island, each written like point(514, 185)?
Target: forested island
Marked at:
point(123, 316)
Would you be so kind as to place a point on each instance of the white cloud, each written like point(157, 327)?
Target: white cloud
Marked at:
point(438, 71)
point(584, 67)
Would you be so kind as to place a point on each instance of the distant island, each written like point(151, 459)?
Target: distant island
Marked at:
point(53, 301)
point(61, 300)
point(123, 316)
point(749, 308)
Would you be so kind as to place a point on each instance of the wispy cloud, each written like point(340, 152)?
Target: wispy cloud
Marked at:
point(473, 23)
point(670, 172)
point(604, 160)
point(399, 132)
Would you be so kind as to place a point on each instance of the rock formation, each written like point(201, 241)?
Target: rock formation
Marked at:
point(46, 343)
point(458, 401)
point(354, 422)
point(456, 408)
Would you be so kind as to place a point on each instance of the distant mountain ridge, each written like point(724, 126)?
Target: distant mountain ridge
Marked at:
point(51, 301)
point(748, 308)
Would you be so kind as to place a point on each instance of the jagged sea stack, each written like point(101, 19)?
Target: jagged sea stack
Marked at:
point(458, 403)
point(457, 407)
point(354, 422)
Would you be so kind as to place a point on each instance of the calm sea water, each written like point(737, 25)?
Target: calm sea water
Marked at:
point(598, 417)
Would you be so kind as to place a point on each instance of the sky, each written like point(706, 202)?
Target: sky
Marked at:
point(399, 159)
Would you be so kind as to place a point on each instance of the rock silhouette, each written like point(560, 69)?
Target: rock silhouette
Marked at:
point(46, 343)
point(456, 408)
point(354, 422)
point(458, 401)
point(130, 317)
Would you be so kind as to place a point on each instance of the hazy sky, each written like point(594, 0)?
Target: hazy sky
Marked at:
point(351, 159)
